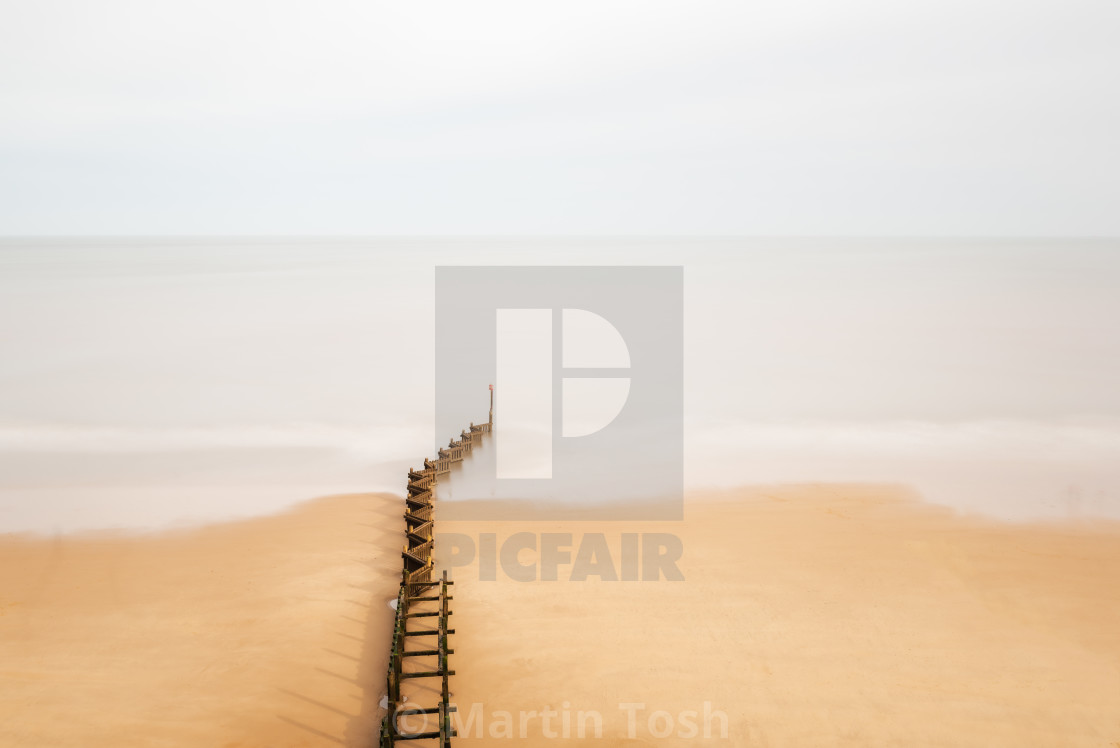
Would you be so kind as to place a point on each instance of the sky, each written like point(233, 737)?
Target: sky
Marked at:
point(798, 118)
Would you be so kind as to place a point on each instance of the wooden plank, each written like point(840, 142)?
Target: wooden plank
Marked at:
point(428, 710)
point(426, 614)
point(427, 674)
point(428, 633)
point(424, 735)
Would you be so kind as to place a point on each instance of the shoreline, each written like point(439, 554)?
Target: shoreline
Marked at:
point(462, 510)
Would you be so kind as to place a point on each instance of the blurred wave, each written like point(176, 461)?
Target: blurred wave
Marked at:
point(153, 381)
point(1006, 468)
point(374, 442)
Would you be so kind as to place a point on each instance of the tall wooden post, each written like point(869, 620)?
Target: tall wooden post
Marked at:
point(444, 716)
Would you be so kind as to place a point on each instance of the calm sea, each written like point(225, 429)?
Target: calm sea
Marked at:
point(152, 383)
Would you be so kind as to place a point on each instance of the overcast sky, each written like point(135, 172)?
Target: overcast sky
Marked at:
point(642, 117)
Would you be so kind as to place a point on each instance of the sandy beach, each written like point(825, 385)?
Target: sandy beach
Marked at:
point(264, 632)
point(735, 374)
point(813, 615)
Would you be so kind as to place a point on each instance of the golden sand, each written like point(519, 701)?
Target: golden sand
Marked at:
point(266, 632)
point(813, 616)
point(810, 616)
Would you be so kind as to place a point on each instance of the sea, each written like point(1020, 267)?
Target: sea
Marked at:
point(149, 384)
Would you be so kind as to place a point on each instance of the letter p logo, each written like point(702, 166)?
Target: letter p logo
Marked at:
point(587, 364)
point(525, 376)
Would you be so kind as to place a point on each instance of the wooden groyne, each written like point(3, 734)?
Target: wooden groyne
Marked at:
point(422, 598)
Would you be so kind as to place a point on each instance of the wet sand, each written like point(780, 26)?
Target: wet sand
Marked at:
point(819, 615)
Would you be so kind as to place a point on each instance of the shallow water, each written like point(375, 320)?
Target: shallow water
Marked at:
point(148, 382)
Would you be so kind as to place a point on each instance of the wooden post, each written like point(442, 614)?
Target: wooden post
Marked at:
point(395, 657)
point(445, 730)
point(443, 667)
point(445, 717)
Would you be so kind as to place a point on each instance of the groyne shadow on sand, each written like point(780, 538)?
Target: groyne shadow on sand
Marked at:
point(363, 728)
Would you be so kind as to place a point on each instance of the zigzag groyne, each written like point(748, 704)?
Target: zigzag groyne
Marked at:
point(422, 598)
